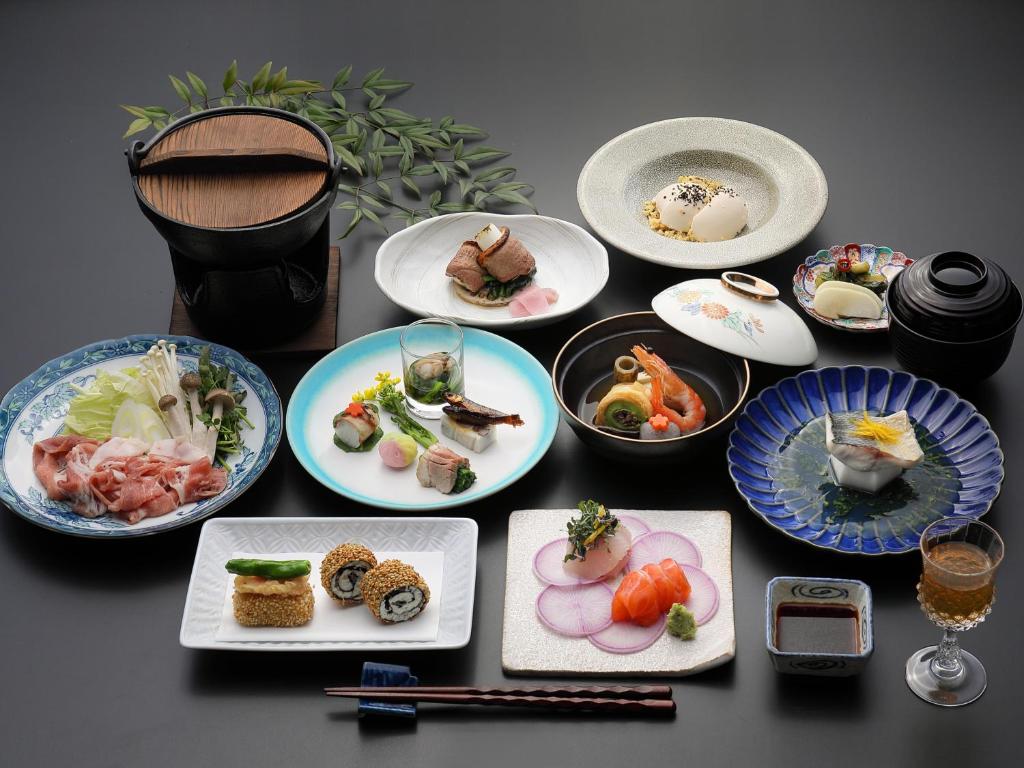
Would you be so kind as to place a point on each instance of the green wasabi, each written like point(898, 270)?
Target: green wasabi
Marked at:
point(681, 622)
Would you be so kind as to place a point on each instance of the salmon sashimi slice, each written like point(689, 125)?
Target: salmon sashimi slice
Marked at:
point(638, 596)
point(676, 575)
point(666, 589)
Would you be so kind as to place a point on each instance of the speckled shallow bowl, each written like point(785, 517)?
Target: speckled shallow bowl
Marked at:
point(883, 260)
point(778, 460)
point(784, 188)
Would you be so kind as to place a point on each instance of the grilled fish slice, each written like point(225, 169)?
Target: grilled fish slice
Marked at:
point(869, 443)
point(464, 410)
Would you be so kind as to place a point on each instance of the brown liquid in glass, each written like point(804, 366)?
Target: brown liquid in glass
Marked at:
point(812, 628)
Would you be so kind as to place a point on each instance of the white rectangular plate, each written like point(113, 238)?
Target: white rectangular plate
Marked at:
point(530, 648)
point(221, 538)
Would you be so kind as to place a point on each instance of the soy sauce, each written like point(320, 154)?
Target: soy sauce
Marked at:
point(813, 628)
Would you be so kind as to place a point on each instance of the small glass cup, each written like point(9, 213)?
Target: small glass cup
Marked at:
point(432, 365)
point(956, 591)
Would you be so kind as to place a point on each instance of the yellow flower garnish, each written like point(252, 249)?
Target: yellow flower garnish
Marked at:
point(875, 430)
point(357, 397)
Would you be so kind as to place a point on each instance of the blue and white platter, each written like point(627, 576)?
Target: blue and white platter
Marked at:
point(778, 460)
point(36, 407)
point(498, 373)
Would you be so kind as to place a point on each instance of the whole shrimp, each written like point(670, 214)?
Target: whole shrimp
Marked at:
point(670, 394)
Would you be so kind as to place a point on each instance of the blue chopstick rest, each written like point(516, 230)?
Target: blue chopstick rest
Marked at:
point(381, 675)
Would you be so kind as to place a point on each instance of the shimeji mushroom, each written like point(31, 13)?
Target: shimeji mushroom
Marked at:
point(190, 384)
point(220, 401)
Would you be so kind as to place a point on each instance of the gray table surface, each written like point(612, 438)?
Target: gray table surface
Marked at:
point(911, 110)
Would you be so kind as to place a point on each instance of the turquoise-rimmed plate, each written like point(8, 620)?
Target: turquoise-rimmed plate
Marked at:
point(35, 409)
point(498, 373)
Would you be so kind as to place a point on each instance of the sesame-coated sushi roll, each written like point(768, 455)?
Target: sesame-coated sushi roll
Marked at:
point(394, 592)
point(271, 593)
point(342, 570)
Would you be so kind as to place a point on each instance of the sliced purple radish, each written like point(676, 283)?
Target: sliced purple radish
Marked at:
point(578, 610)
point(627, 637)
point(549, 565)
point(655, 546)
point(703, 602)
point(636, 526)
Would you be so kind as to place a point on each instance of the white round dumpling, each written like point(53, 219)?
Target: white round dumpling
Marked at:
point(721, 219)
point(678, 203)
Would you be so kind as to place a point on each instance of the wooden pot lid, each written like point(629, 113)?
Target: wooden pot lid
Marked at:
point(229, 171)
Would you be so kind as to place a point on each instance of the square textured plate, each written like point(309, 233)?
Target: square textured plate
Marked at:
point(455, 536)
point(530, 648)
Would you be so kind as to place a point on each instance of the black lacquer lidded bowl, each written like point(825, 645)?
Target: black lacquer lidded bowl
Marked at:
point(953, 316)
point(242, 196)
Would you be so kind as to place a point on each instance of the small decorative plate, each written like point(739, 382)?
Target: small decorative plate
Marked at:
point(498, 374)
point(783, 186)
point(221, 539)
point(778, 460)
point(882, 260)
point(35, 409)
point(410, 267)
point(530, 648)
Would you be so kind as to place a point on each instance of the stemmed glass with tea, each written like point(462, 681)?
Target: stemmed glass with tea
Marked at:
point(432, 365)
point(956, 591)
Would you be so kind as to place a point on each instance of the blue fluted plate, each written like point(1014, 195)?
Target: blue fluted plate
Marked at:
point(778, 460)
point(498, 373)
point(35, 408)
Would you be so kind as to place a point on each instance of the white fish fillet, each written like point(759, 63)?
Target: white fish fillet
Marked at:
point(866, 453)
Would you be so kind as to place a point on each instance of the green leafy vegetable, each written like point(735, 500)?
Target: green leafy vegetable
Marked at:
point(229, 425)
point(594, 522)
point(279, 570)
point(464, 477)
point(91, 412)
point(393, 401)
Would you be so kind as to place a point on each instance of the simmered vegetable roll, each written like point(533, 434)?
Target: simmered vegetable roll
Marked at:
point(342, 571)
point(394, 592)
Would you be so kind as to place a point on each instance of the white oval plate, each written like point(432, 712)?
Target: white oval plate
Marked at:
point(499, 373)
point(411, 263)
point(784, 188)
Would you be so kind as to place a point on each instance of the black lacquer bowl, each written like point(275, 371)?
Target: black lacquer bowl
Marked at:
point(953, 316)
point(722, 381)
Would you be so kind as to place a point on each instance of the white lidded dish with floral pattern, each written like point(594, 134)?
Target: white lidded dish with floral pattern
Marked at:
point(739, 314)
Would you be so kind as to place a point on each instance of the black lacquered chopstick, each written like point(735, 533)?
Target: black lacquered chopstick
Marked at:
point(636, 692)
point(569, 703)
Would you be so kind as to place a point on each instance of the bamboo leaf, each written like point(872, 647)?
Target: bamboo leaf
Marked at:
point(391, 150)
point(342, 77)
point(182, 90)
point(136, 125)
point(197, 84)
point(406, 143)
point(230, 76)
point(348, 205)
point(455, 207)
point(435, 198)
point(510, 186)
point(462, 166)
point(292, 87)
point(421, 170)
point(227, 101)
point(457, 149)
point(376, 101)
point(411, 185)
point(372, 76)
point(385, 190)
point(372, 216)
point(356, 218)
point(461, 129)
point(259, 80)
point(496, 173)
point(442, 171)
point(368, 197)
point(514, 197)
point(390, 86)
point(446, 121)
point(465, 186)
point(349, 159)
point(137, 111)
point(405, 163)
point(339, 98)
point(483, 154)
point(278, 80)
point(480, 197)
